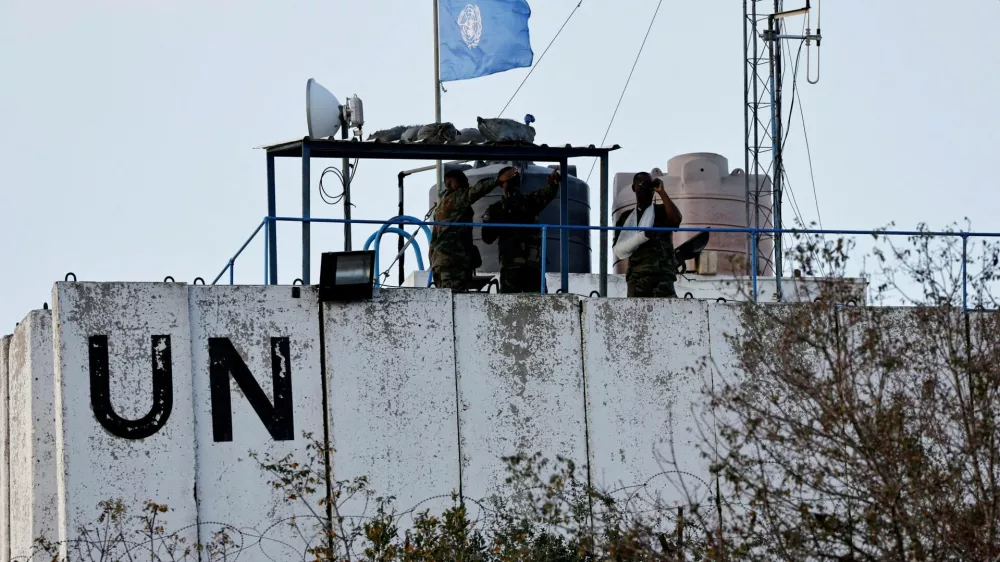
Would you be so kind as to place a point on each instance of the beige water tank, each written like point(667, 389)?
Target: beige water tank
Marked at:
point(708, 195)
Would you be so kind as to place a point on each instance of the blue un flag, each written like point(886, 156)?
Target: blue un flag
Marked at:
point(482, 37)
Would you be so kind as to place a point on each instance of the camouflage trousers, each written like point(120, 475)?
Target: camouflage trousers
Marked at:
point(521, 280)
point(452, 278)
point(649, 286)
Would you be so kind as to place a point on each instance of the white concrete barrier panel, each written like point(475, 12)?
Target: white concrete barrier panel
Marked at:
point(520, 384)
point(391, 367)
point(124, 403)
point(258, 388)
point(724, 323)
point(32, 434)
point(4, 454)
point(644, 368)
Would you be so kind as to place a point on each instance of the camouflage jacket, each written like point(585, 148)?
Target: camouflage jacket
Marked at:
point(656, 256)
point(519, 247)
point(451, 246)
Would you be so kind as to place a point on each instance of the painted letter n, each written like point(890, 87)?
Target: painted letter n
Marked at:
point(225, 361)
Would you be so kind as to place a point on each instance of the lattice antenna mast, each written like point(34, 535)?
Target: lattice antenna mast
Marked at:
point(762, 87)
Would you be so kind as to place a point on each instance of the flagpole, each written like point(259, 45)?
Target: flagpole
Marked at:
point(437, 84)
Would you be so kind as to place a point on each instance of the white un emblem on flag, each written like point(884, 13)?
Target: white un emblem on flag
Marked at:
point(470, 21)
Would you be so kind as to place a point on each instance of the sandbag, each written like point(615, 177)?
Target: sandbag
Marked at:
point(438, 133)
point(410, 135)
point(388, 135)
point(471, 135)
point(630, 240)
point(506, 130)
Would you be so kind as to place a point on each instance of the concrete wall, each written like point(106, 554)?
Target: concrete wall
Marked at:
point(645, 371)
point(33, 506)
point(520, 384)
point(232, 486)
point(391, 369)
point(425, 393)
point(4, 453)
point(156, 461)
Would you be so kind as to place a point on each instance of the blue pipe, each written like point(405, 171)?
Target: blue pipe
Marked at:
point(407, 219)
point(393, 230)
point(400, 231)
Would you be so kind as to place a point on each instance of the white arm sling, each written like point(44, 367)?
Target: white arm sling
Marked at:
point(630, 240)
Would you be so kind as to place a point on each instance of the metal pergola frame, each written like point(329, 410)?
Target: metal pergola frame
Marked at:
point(306, 149)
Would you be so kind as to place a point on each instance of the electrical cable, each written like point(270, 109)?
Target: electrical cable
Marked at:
point(795, 76)
point(796, 96)
point(326, 197)
point(812, 176)
point(625, 89)
point(539, 61)
point(795, 80)
point(354, 168)
point(336, 199)
point(791, 108)
point(795, 204)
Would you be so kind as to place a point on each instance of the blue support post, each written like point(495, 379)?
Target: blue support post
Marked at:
point(753, 261)
point(965, 293)
point(232, 274)
point(563, 221)
point(271, 240)
point(545, 232)
point(306, 189)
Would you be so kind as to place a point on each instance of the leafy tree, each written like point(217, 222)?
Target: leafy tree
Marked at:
point(864, 432)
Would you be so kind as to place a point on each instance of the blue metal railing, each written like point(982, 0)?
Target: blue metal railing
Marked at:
point(753, 233)
point(230, 265)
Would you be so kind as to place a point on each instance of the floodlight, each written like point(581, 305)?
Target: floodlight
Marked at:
point(323, 111)
point(347, 276)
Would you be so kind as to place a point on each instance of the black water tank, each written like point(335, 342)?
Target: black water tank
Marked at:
point(534, 178)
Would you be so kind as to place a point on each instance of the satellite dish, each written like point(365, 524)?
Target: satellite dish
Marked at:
point(322, 111)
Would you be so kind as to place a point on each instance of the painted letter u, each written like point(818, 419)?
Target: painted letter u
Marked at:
point(100, 390)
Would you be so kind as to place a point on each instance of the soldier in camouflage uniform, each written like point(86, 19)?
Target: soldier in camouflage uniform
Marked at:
point(520, 248)
point(652, 267)
point(453, 255)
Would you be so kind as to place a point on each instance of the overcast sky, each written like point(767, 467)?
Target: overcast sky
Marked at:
point(128, 128)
